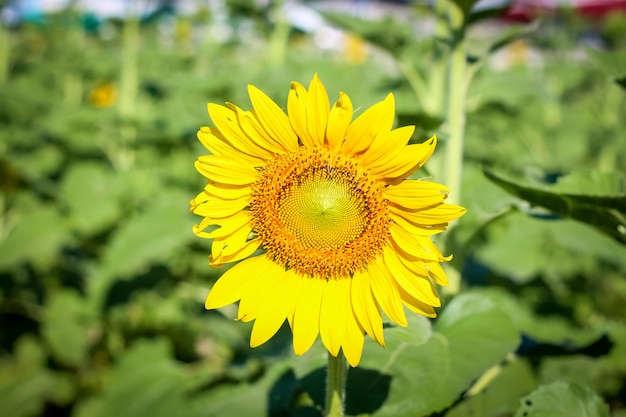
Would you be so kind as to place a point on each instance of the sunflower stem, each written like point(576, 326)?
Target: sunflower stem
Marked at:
point(336, 384)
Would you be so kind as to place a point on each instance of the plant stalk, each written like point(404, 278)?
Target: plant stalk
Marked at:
point(336, 385)
point(457, 89)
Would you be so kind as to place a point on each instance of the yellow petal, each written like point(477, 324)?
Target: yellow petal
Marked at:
point(406, 162)
point(386, 292)
point(216, 249)
point(353, 341)
point(414, 245)
point(376, 119)
point(305, 322)
point(317, 110)
point(338, 121)
point(266, 278)
point(227, 121)
point(415, 265)
point(225, 170)
point(418, 229)
point(278, 304)
point(217, 260)
point(214, 141)
point(416, 305)
point(273, 119)
point(437, 273)
point(415, 194)
point(227, 225)
point(216, 208)
point(222, 191)
point(422, 267)
point(226, 191)
point(387, 145)
point(419, 287)
point(365, 308)
point(297, 110)
point(335, 312)
point(434, 215)
point(231, 286)
point(236, 241)
point(249, 124)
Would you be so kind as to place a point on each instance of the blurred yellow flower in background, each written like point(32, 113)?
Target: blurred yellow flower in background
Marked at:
point(103, 95)
point(356, 49)
point(345, 235)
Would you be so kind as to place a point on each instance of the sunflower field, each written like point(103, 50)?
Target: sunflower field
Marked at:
point(103, 282)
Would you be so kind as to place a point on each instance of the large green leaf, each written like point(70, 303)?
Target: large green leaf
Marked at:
point(150, 235)
point(90, 191)
point(145, 382)
point(269, 396)
point(67, 326)
point(611, 62)
point(606, 212)
point(37, 237)
point(388, 34)
point(500, 394)
point(561, 399)
point(25, 381)
point(417, 377)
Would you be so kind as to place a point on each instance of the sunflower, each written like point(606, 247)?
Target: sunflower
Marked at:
point(317, 210)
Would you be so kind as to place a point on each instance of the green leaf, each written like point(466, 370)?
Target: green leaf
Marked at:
point(25, 382)
point(150, 235)
point(146, 382)
point(270, 394)
point(613, 63)
point(465, 5)
point(66, 326)
point(388, 34)
point(504, 386)
point(483, 50)
point(561, 399)
point(36, 238)
point(605, 212)
point(472, 335)
point(91, 193)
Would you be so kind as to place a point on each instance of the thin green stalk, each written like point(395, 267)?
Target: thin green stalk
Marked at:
point(4, 53)
point(336, 385)
point(129, 79)
point(457, 88)
point(129, 87)
point(280, 35)
point(456, 108)
point(415, 80)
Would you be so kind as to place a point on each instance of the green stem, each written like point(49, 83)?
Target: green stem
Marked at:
point(458, 82)
point(4, 53)
point(336, 385)
point(456, 115)
point(129, 79)
point(415, 80)
point(280, 35)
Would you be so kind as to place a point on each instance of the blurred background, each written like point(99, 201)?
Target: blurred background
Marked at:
point(102, 282)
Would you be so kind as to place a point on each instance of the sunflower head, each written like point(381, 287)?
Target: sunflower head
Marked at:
point(317, 209)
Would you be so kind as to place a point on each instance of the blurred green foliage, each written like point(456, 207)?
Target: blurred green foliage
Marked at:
point(102, 283)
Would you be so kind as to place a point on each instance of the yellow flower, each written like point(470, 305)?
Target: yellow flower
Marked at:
point(344, 234)
point(104, 95)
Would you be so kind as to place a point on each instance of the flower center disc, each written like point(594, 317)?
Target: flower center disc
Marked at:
point(319, 213)
point(322, 211)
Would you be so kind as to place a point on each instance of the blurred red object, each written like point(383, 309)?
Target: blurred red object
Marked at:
point(527, 10)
